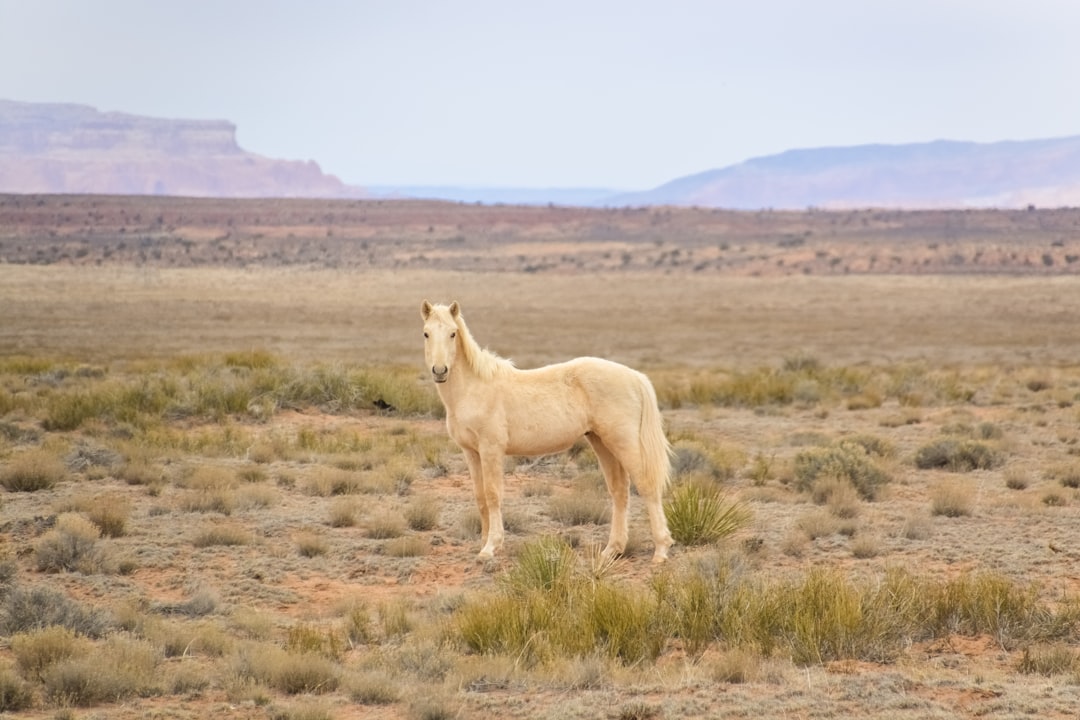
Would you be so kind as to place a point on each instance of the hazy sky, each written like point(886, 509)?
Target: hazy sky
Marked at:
point(621, 94)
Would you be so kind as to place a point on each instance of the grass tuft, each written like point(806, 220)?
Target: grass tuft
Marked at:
point(698, 514)
point(32, 471)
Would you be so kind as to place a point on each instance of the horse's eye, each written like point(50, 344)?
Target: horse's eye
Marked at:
point(425, 334)
point(453, 335)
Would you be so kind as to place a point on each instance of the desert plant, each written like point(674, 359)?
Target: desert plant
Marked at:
point(310, 544)
point(109, 513)
point(326, 481)
point(15, 693)
point(374, 688)
point(957, 455)
point(579, 508)
point(385, 526)
point(71, 545)
point(119, 668)
point(952, 499)
point(846, 459)
point(343, 512)
point(547, 564)
point(1016, 478)
point(37, 650)
point(287, 671)
point(405, 546)
point(304, 638)
point(699, 514)
point(24, 610)
point(31, 471)
point(1068, 474)
point(1053, 659)
point(221, 534)
point(423, 514)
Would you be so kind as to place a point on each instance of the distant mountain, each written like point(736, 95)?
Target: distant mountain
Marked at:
point(62, 148)
point(926, 175)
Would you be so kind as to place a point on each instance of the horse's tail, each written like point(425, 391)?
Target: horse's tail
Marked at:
point(656, 451)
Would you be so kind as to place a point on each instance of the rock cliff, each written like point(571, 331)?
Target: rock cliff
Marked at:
point(62, 148)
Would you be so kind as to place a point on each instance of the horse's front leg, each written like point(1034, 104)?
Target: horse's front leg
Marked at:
point(472, 458)
point(491, 465)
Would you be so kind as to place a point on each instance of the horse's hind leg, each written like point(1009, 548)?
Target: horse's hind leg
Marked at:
point(618, 485)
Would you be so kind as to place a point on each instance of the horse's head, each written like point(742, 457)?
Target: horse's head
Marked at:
point(440, 338)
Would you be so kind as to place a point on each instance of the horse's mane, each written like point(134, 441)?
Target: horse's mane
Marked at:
point(483, 362)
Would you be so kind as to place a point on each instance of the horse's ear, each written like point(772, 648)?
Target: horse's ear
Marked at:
point(455, 309)
point(426, 309)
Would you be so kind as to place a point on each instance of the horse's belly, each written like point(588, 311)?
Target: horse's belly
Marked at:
point(544, 434)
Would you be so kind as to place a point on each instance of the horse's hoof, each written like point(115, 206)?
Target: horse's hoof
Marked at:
point(488, 562)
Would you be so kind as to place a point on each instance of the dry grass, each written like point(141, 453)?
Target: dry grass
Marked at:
point(296, 549)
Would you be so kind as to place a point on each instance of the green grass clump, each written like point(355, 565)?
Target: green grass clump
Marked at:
point(957, 455)
point(549, 608)
point(847, 459)
point(699, 514)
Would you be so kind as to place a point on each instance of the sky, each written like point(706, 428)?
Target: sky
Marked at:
point(624, 95)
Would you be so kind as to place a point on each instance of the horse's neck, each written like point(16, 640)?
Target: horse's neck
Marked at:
point(461, 383)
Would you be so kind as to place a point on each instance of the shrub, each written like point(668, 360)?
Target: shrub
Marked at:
point(122, 667)
point(32, 470)
point(287, 671)
point(37, 608)
point(698, 515)
point(15, 694)
point(957, 456)
point(40, 649)
point(71, 545)
point(847, 460)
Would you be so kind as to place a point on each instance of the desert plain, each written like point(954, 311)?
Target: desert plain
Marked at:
point(228, 491)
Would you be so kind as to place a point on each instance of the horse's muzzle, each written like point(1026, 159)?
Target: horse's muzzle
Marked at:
point(440, 375)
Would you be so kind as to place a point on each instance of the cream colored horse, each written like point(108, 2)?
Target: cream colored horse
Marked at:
point(494, 409)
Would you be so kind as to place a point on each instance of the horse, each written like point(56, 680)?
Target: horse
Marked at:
point(494, 409)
